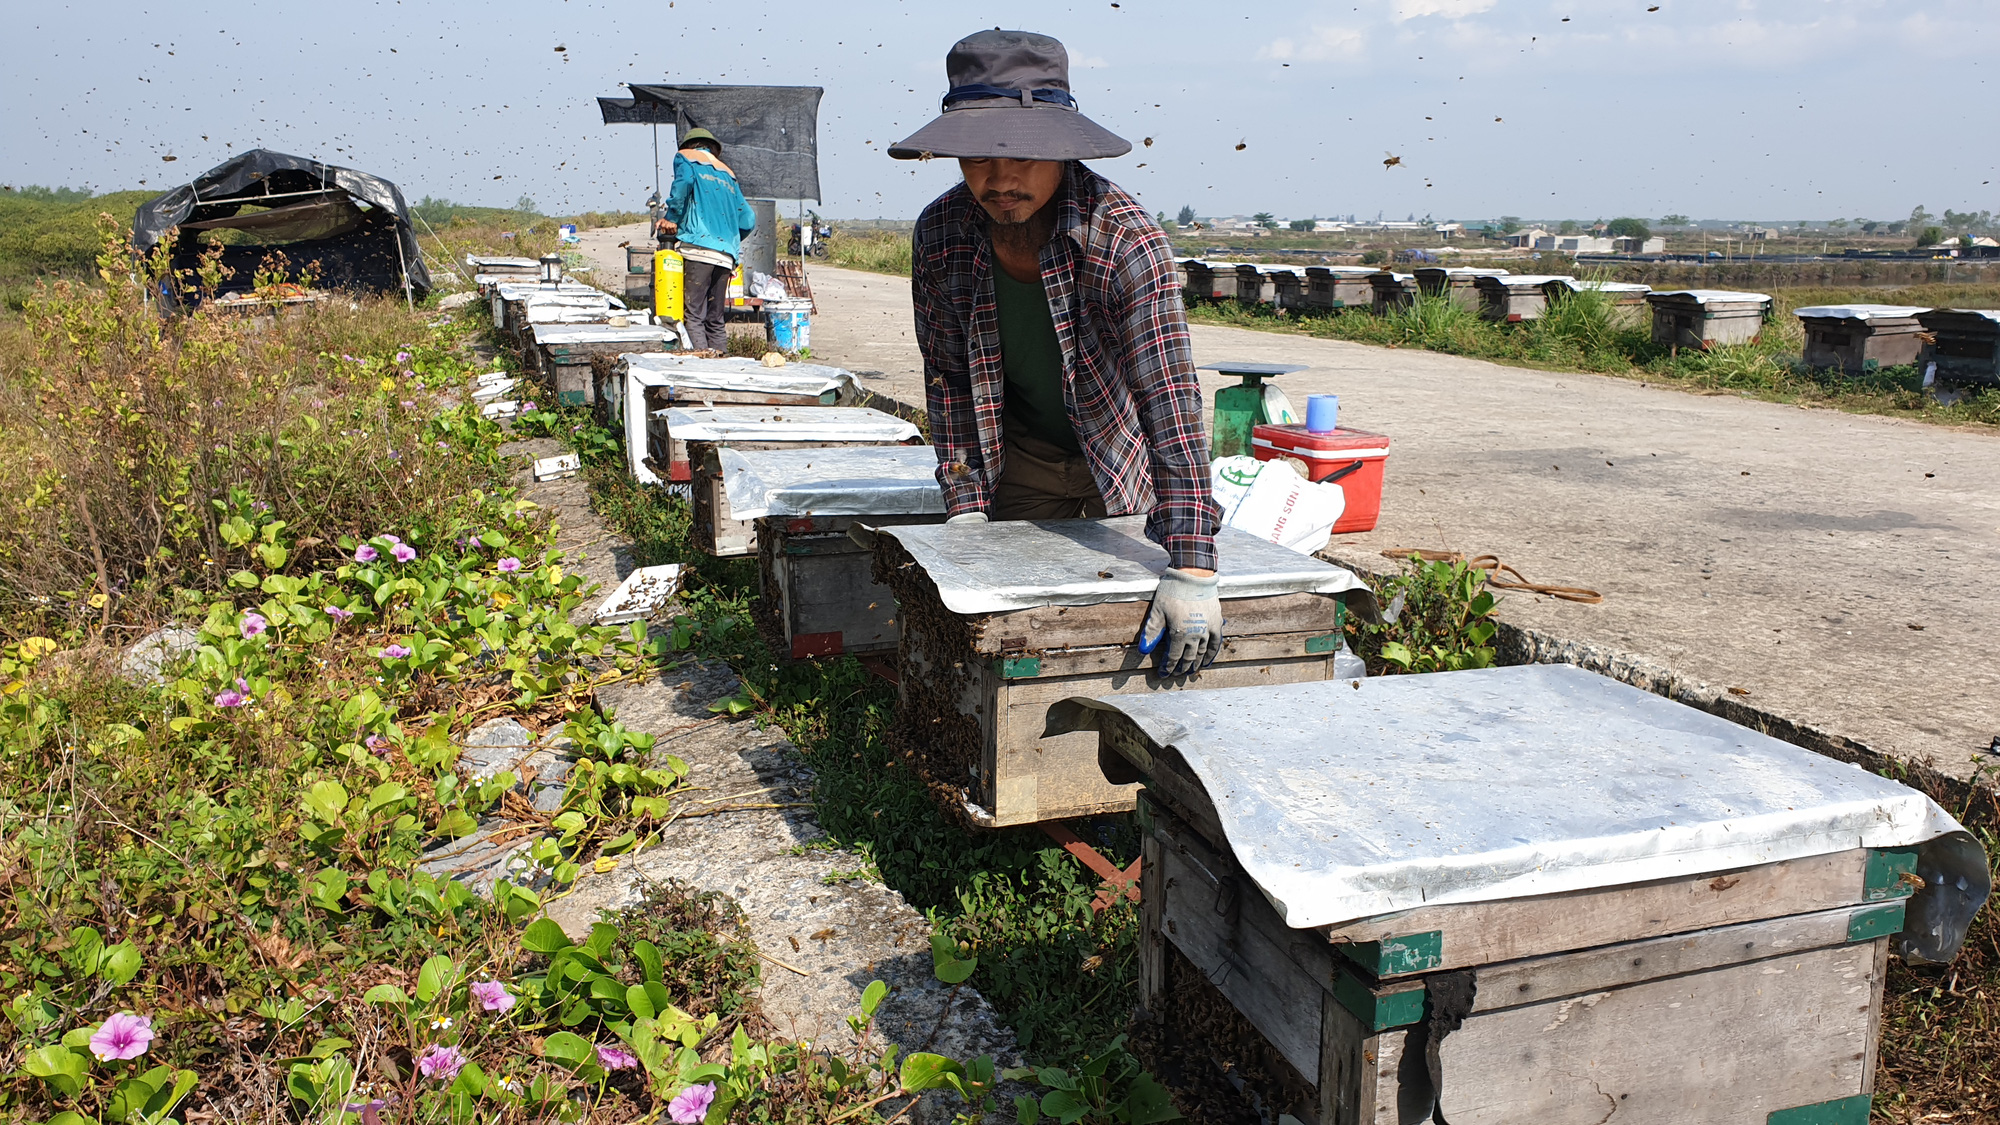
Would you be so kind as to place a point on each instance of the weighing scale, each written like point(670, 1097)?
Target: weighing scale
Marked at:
point(1241, 408)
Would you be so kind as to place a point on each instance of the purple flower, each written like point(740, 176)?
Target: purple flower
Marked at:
point(528, 405)
point(394, 652)
point(370, 1111)
point(404, 552)
point(492, 995)
point(350, 359)
point(339, 614)
point(232, 698)
point(407, 404)
point(509, 565)
point(389, 537)
point(253, 625)
point(378, 745)
point(402, 357)
point(440, 1062)
point(442, 445)
point(616, 1058)
point(409, 374)
point(366, 553)
point(123, 1036)
point(691, 1105)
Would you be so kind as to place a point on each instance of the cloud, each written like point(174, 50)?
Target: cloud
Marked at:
point(1323, 43)
point(1450, 9)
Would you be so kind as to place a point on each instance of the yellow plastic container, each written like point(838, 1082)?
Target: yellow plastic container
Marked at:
point(669, 284)
point(739, 291)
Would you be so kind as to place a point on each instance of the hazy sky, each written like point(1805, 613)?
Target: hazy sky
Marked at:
point(1768, 109)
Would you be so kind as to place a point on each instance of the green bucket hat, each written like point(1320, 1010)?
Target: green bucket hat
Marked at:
point(693, 135)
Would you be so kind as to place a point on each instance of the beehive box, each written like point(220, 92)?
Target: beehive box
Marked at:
point(1253, 284)
point(710, 430)
point(640, 389)
point(563, 354)
point(817, 590)
point(1392, 290)
point(1454, 283)
point(1965, 349)
point(1858, 338)
point(1288, 286)
point(1513, 298)
point(1627, 299)
point(1211, 281)
point(1339, 287)
point(1530, 894)
point(1001, 620)
point(503, 267)
point(1707, 318)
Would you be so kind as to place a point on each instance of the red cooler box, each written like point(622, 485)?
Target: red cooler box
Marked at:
point(1354, 459)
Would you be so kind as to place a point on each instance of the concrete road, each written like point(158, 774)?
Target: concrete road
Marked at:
point(1828, 565)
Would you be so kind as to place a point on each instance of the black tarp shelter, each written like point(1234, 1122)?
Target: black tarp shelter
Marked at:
point(354, 225)
point(769, 134)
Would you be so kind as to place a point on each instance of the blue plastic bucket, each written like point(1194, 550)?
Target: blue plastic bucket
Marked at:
point(791, 324)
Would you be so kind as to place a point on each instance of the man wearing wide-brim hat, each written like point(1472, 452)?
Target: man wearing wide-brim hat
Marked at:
point(1056, 354)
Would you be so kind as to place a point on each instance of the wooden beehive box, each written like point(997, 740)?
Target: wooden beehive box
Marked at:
point(1288, 286)
point(1454, 282)
point(1579, 901)
point(817, 590)
point(1001, 620)
point(563, 354)
point(709, 430)
point(1211, 281)
point(1513, 298)
point(1392, 291)
point(1627, 299)
point(1858, 338)
point(1252, 284)
point(1707, 318)
point(641, 388)
point(1339, 287)
point(1966, 348)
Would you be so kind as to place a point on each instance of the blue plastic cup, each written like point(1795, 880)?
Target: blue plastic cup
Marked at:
point(1322, 413)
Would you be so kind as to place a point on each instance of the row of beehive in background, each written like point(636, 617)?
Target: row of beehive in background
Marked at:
point(1951, 345)
point(558, 327)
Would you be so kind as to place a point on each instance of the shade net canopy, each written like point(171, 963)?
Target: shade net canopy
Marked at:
point(355, 226)
point(769, 134)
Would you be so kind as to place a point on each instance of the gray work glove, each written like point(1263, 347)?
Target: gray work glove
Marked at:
point(968, 517)
point(1187, 616)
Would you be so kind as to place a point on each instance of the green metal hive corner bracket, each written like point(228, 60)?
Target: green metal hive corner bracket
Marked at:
point(1404, 953)
point(1892, 873)
point(1018, 667)
point(1378, 1009)
point(1839, 1111)
point(1879, 920)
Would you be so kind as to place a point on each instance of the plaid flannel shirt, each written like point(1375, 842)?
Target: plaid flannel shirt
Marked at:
point(1128, 375)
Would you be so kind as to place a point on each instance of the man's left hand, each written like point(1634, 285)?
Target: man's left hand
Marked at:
point(1185, 623)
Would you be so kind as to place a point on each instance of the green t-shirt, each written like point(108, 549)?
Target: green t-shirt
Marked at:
point(1031, 356)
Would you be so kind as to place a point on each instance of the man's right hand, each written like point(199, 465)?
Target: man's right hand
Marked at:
point(668, 228)
point(968, 517)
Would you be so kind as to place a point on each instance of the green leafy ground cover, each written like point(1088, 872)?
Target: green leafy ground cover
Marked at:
point(213, 908)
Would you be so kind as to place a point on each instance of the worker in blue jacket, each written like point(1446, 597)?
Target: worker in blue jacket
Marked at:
point(706, 211)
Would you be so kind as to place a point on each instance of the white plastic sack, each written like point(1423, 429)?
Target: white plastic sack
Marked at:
point(1269, 499)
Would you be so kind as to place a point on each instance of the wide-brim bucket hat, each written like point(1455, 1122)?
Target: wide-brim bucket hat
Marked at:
point(1010, 99)
point(693, 136)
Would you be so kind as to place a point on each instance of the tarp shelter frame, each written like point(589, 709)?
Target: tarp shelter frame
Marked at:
point(770, 133)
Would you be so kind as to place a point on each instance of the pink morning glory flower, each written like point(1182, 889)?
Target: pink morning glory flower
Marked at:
point(377, 745)
point(366, 553)
point(402, 357)
point(691, 1105)
point(123, 1036)
point(370, 1111)
point(492, 995)
point(407, 403)
point(509, 565)
point(404, 552)
point(440, 1062)
point(528, 405)
point(339, 614)
point(395, 652)
point(616, 1058)
point(389, 537)
point(253, 625)
point(232, 698)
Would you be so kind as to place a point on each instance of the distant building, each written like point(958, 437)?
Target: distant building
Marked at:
point(1526, 239)
point(1575, 244)
point(1654, 245)
point(1759, 234)
point(1448, 230)
point(1323, 226)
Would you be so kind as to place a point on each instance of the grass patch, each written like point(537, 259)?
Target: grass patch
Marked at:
point(874, 251)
